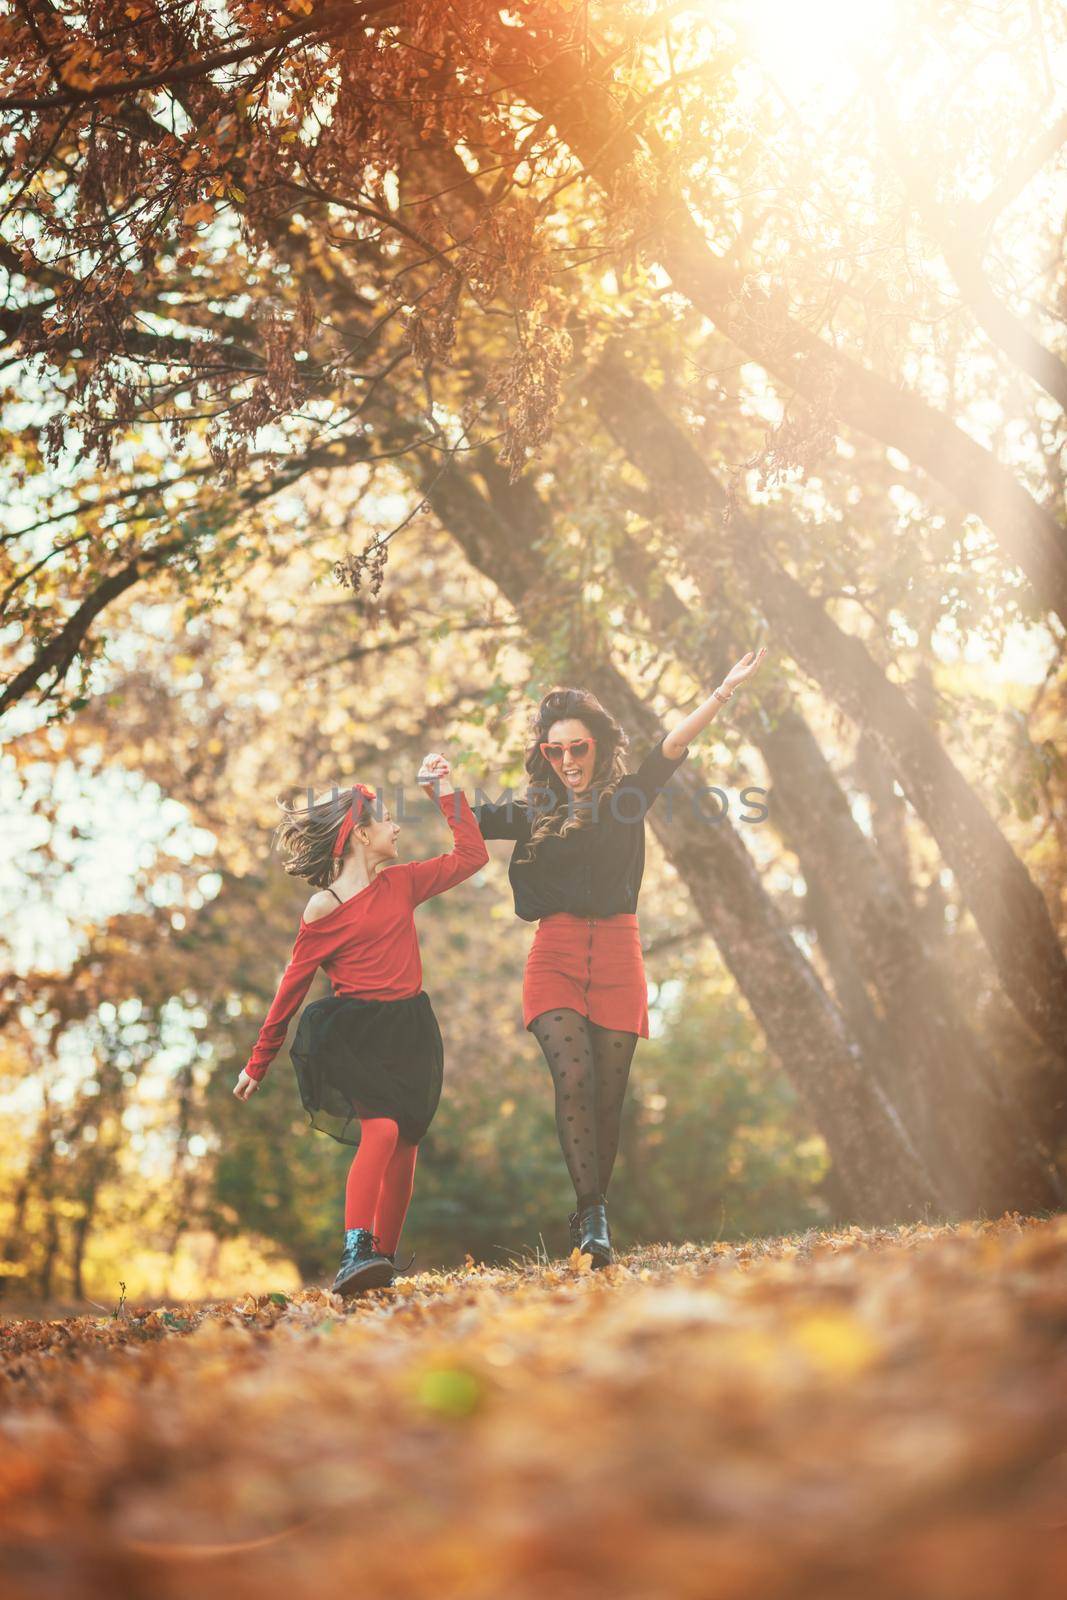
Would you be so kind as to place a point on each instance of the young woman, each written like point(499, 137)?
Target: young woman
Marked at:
point(369, 1059)
point(576, 871)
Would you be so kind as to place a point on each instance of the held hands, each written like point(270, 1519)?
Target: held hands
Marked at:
point(435, 775)
point(743, 670)
point(246, 1086)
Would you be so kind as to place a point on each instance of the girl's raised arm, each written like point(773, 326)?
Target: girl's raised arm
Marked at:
point(428, 878)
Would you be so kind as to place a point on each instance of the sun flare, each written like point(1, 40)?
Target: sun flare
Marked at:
point(817, 47)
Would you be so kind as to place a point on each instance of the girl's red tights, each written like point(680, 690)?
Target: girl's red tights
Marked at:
point(380, 1181)
point(394, 1195)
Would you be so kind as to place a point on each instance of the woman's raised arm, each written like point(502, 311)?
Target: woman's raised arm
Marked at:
point(678, 738)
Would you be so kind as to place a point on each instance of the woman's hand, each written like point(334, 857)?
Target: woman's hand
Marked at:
point(435, 775)
point(743, 669)
point(246, 1086)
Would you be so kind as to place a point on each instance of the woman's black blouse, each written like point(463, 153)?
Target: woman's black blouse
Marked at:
point(596, 870)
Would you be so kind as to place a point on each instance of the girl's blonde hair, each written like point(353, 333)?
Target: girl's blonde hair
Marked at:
point(307, 833)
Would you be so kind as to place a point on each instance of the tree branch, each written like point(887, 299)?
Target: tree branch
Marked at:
point(329, 18)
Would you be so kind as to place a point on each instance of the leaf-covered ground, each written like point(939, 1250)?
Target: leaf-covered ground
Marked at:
point(836, 1416)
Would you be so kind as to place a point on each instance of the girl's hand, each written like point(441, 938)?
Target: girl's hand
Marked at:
point(743, 669)
point(435, 770)
point(246, 1086)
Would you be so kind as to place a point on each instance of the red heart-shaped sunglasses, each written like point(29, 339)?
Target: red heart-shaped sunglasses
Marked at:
point(577, 748)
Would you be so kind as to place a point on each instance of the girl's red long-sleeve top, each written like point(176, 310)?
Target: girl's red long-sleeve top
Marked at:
point(368, 946)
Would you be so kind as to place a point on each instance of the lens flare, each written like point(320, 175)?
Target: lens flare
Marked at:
point(816, 48)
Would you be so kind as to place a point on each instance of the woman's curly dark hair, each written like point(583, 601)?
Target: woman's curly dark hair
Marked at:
point(569, 813)
point(307, 833)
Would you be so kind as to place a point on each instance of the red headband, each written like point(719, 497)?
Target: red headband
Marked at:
point(349, 820)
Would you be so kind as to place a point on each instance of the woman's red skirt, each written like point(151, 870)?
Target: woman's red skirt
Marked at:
point(590, 964)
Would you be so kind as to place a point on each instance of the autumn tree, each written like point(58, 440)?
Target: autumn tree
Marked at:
point(674, 338)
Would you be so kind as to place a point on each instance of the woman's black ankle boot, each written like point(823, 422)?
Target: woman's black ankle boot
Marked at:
point(593, 1236)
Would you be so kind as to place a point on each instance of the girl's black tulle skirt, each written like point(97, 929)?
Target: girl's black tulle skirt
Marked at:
point(369, 1058)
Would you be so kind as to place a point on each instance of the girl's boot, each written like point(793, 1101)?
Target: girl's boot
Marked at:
point(362, 1264)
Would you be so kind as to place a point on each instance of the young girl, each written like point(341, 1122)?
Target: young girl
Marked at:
point(369, 1059)
point(576, 871)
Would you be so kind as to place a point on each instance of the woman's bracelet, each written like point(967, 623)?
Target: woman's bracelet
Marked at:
point(717, 694)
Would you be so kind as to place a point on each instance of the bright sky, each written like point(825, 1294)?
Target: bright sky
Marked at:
point(126, 823)
point(813, 48)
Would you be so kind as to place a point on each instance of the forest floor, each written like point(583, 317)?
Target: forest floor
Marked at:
point(878, 1414)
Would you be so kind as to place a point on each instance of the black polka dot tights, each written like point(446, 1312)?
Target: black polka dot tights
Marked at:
point(590, 1067)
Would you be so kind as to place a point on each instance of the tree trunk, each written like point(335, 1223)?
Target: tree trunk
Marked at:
point(881, 1170)
point(1007, 906)
point(939, 1077)
point(82, 1229)
point(888, 814)
point(943, 1079)
point(14, 1245)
